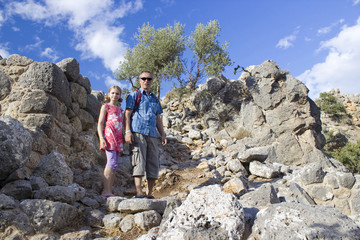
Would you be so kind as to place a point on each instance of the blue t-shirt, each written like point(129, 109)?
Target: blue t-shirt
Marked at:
point(144, 117)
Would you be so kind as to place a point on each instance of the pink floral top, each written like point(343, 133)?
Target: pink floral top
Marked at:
point(113, 132)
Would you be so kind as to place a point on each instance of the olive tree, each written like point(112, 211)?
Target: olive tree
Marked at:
point(161, 52)
point(210, 58)
point(158, 51)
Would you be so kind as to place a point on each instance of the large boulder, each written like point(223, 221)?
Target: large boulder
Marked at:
point(297, 221)
point(15, 146)
point(207, 213)
point(54, 170)
point(48, 77)
point(5, 84)
point(48, 216)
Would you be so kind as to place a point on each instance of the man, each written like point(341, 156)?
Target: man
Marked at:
point(141, 123)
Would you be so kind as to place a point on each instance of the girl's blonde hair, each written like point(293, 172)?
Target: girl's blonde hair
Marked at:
point(107, 98)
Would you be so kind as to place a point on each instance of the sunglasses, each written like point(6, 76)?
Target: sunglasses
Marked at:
point(144, 79)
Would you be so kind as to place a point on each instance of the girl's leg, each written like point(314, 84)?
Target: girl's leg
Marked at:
point(109, 172)
point(113, 170)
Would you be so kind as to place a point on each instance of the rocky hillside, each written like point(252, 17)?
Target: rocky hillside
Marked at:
point(243, 161)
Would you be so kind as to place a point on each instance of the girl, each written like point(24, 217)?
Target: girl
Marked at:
point(111, 138)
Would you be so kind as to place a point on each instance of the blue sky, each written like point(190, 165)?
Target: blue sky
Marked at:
point(318, 41)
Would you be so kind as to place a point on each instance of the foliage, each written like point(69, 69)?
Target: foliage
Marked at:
point(329, 104)
point(334, 141)
point(349, 156)
point(157, 51)
point(209, 57)
point(180, 93)
point(161, 52)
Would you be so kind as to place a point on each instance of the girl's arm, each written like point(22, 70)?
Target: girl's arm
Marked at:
point(100, 126)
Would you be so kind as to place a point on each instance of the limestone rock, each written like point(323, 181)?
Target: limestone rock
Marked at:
point(206, 213)
point(54, 170)
point(46, 216)
point(12, 133)
point(297, 221)
point(53, 80)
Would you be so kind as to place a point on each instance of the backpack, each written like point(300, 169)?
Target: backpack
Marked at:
point(138, 99)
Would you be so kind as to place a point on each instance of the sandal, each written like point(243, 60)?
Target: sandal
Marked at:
point(141, 196)
point(107, 196)
point(149, 196)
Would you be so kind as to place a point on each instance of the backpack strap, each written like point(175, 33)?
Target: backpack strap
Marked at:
point(138, 98)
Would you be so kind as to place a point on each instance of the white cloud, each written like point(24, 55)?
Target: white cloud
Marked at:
point(327, 29)
point(356, 2)
point(93, 23)
point(340, 69)
point(33, 46)
point(50, 54)
point(287, 41)
point(103, 41)
point(2, 18)
point(4, 51)
point(109, 81)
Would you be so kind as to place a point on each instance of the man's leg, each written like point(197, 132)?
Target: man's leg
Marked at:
point(150, 186)
point(137, 182)
point(138, 151)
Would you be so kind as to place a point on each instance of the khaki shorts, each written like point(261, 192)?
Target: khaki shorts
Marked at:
point(144, 155)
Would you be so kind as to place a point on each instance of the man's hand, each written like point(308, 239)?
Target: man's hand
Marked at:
point(129, 138)
point(163, 140)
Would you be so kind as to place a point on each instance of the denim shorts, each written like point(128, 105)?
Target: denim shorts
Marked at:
point(144, 155)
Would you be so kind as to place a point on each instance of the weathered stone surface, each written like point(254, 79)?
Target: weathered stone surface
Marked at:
point(17, 60)
point(112, 203)
point(127, 223)
point(46, 216)
point(234, 165)
point(38, 183)
point(206, 213)
point(263, 196)
point(56, 193)
point(78, 94)
point(78, 235)
point(37, 101)
point(93, 105)
point(5, 84)
point(147, 219)
point(12, 133)
point(258, 153)
point(142, 204)
point(312, 173)
point(48, 77)
point(20, 189)
point(301, 195)
point(54, 170)
point(297, 221)
point(322, 193)
point(346, 180)
point(265, 170)
point(112, 220)
point(95, 218)
point(7, 202)
point(235, 186)
point(71, 68)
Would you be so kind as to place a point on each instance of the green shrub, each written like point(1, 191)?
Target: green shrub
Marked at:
point(349, 156)
point(330, 105)
point(334, 141)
